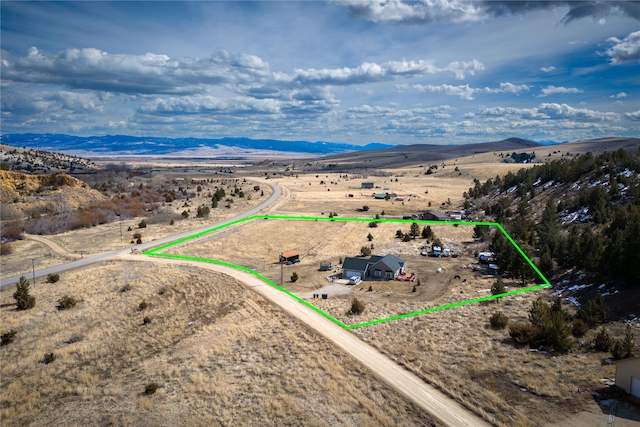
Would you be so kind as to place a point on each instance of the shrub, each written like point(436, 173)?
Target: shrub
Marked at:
point(150, 388)
point(370, 289)
point(129, 229)
point(499, 320)
point(617, 351)
point(294, 277)
point(137, 235)
point(146, 320)
point(203, 212)
point(365, 251)
point(126, 288)
point(406, 238)
point(66, 302)
point(414, 288)
point(365, 208)
point(24, 301)
point(172, 222)
point(139, 241)
point(373, 224)
point(48, 358)
point(369, 237)
point(523, 333)
point(539, 313)
point(595, 311)
point(357, 308)
point(142, 224)
point(498, 288)
point(8, 337)
point(602, 341)
point(185, 214)
point(5, 249)
point(578, 328)
point(256, 188)
point(143, 305)
point(53, 277)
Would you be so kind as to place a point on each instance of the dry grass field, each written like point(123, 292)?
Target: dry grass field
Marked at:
point(18, 262)
point(458, 351)
point(220, 354)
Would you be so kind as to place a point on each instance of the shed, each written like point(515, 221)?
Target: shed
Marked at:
point(367, 185)
point(289, 256)
point(628, 375)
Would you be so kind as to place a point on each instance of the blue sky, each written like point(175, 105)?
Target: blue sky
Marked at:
point(357, 71)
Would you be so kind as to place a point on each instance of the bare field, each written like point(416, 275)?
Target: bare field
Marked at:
point(220, 353)
point(19, 263)
point(458, 351)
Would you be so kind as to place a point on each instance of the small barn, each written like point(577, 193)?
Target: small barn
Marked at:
point(628, 375)
point(367, 185)
point(291, 256)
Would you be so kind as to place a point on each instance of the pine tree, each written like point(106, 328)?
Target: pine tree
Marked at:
point(415, 230)
point(498, 288)
point(546, 263)
point(24, 301)
point(629, 344)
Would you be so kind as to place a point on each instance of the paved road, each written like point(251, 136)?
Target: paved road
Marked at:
point(144, 246)
point(442, 407)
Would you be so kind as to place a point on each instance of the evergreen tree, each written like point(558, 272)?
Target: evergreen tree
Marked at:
point(415, 230)
point(24, 301)
point(546, 263)
point(629, 347)
point(427, 233)
point(595, 311)
point(498, 288)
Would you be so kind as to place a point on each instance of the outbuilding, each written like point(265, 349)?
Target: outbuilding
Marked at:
point(367, 185)
point(291, 256)
point(435, 216)
point(628, 375)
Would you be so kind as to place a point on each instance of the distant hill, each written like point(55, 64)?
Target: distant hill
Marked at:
point(407, 155)
point(122, 145)
point(421, 153)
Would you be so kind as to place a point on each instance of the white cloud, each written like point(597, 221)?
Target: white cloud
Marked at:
point(634, 115)
point(372, 72)
point(550, 111)
point(625, 50)
point(396, 11)
point(464, 92)
point(150, 73)
point(618, 103)
point(552, 90)
point(459, 11)
point(547, 69)
point(619, 95)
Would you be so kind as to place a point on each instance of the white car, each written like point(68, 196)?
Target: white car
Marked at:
point(354, 280)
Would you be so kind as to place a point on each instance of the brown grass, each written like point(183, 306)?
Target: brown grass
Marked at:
point(221, 354)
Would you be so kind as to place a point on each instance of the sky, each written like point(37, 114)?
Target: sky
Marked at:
point(355, 71)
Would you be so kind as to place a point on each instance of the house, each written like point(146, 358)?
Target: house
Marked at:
point(628, 375)
point(291, 256)
point(435, 216)
point(367, 185)
point(377, 267)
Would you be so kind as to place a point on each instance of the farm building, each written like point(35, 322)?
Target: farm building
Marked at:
point(377, 267)
point(367, 185)
point(628, 375)
point(435, 216)
point(291, 256)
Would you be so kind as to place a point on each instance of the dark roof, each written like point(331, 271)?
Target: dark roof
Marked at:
point(360, 264)
point(393, 262)
point(439, 215)
point(356, 264)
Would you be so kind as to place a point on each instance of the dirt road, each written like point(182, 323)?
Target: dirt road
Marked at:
point(54, 246)
point(445, 409)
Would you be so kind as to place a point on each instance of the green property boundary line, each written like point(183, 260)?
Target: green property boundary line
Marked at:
point(154, 252)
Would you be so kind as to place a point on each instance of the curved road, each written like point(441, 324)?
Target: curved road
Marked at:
point(433, 401)
point(436, 403)
point(144, 246)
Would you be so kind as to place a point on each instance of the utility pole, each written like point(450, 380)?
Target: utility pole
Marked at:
point(281, 273)
point(33, 270)
point(120, 220)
